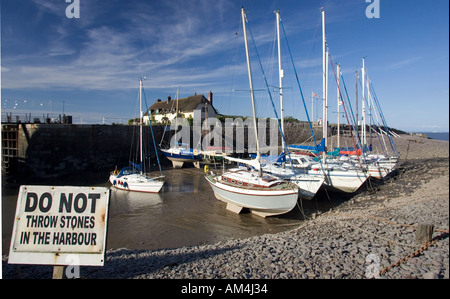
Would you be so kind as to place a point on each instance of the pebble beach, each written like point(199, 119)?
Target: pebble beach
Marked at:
point(372, 235)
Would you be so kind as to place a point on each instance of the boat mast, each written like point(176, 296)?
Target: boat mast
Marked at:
point(326, 99)
point(369, 102)
point(324, 86)
point(281, 76)
point(175, 141)
point(140, 124)
point(251, 84)
point(363, 125)
point(356, 97)
point(178, 93)
point(338, 71)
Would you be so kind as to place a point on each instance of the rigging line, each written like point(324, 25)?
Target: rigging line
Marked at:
point(145, 167)
point(165, 128)
point(300, 207)
point(301, 93)
point(235, 60)
point(380, 138)
point(133, 151)
point(270, 63)
point(378, 127)
point(355, 130)
point(382, 118)
point(340, 95)
point(153, 135)
point(313, 50)
point(270, 96)
point(358, 142)
point(354, 123)
point(385, 125)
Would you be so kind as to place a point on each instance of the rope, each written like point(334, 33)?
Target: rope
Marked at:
point(301, 208)
point(107, 183)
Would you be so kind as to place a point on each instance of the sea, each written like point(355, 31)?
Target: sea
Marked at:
point(437, 135)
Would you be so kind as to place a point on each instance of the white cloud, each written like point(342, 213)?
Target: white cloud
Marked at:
point(102, 55)
point(51, 6)
point(403, 62)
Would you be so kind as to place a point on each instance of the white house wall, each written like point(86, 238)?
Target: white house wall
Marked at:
point(196, 114)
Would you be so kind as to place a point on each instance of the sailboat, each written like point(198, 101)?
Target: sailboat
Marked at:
point(308, 184)
point(337, 176)
point(181, 153)
point(379, 166)
point(361, 156)
point(263, 194)
point(133, 178)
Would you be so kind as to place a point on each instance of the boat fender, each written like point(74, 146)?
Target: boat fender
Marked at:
point(114, 182)
point(206, 168)
point(195, 152)
point(125, 184)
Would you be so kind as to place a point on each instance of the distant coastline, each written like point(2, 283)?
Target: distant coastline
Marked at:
point(437, 135)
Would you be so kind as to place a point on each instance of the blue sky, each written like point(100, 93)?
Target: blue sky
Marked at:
point(90, 66)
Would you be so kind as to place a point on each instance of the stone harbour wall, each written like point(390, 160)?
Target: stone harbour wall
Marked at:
point(50, 151)
point(33, 152)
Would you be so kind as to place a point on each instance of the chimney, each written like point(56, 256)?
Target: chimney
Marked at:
point(210, 97)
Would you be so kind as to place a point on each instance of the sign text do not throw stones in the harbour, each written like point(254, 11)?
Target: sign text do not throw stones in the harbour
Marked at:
point(52, 223)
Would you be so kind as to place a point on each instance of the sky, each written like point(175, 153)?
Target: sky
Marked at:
point(89, 67)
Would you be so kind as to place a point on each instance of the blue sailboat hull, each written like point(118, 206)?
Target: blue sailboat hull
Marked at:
point(180, 156)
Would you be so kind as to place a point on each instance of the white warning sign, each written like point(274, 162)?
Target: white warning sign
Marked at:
point(53, 223)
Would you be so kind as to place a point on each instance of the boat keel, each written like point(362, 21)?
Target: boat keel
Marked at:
point(177, 164)
point(234, 208)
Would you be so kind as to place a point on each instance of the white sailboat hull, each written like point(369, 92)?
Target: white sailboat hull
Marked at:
point(381, 169)
point(376, 167)
point(136, 182)
point(308, 184)
point(377, 171)
point(347, 181)
point(264, 203)
point(307, 187)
